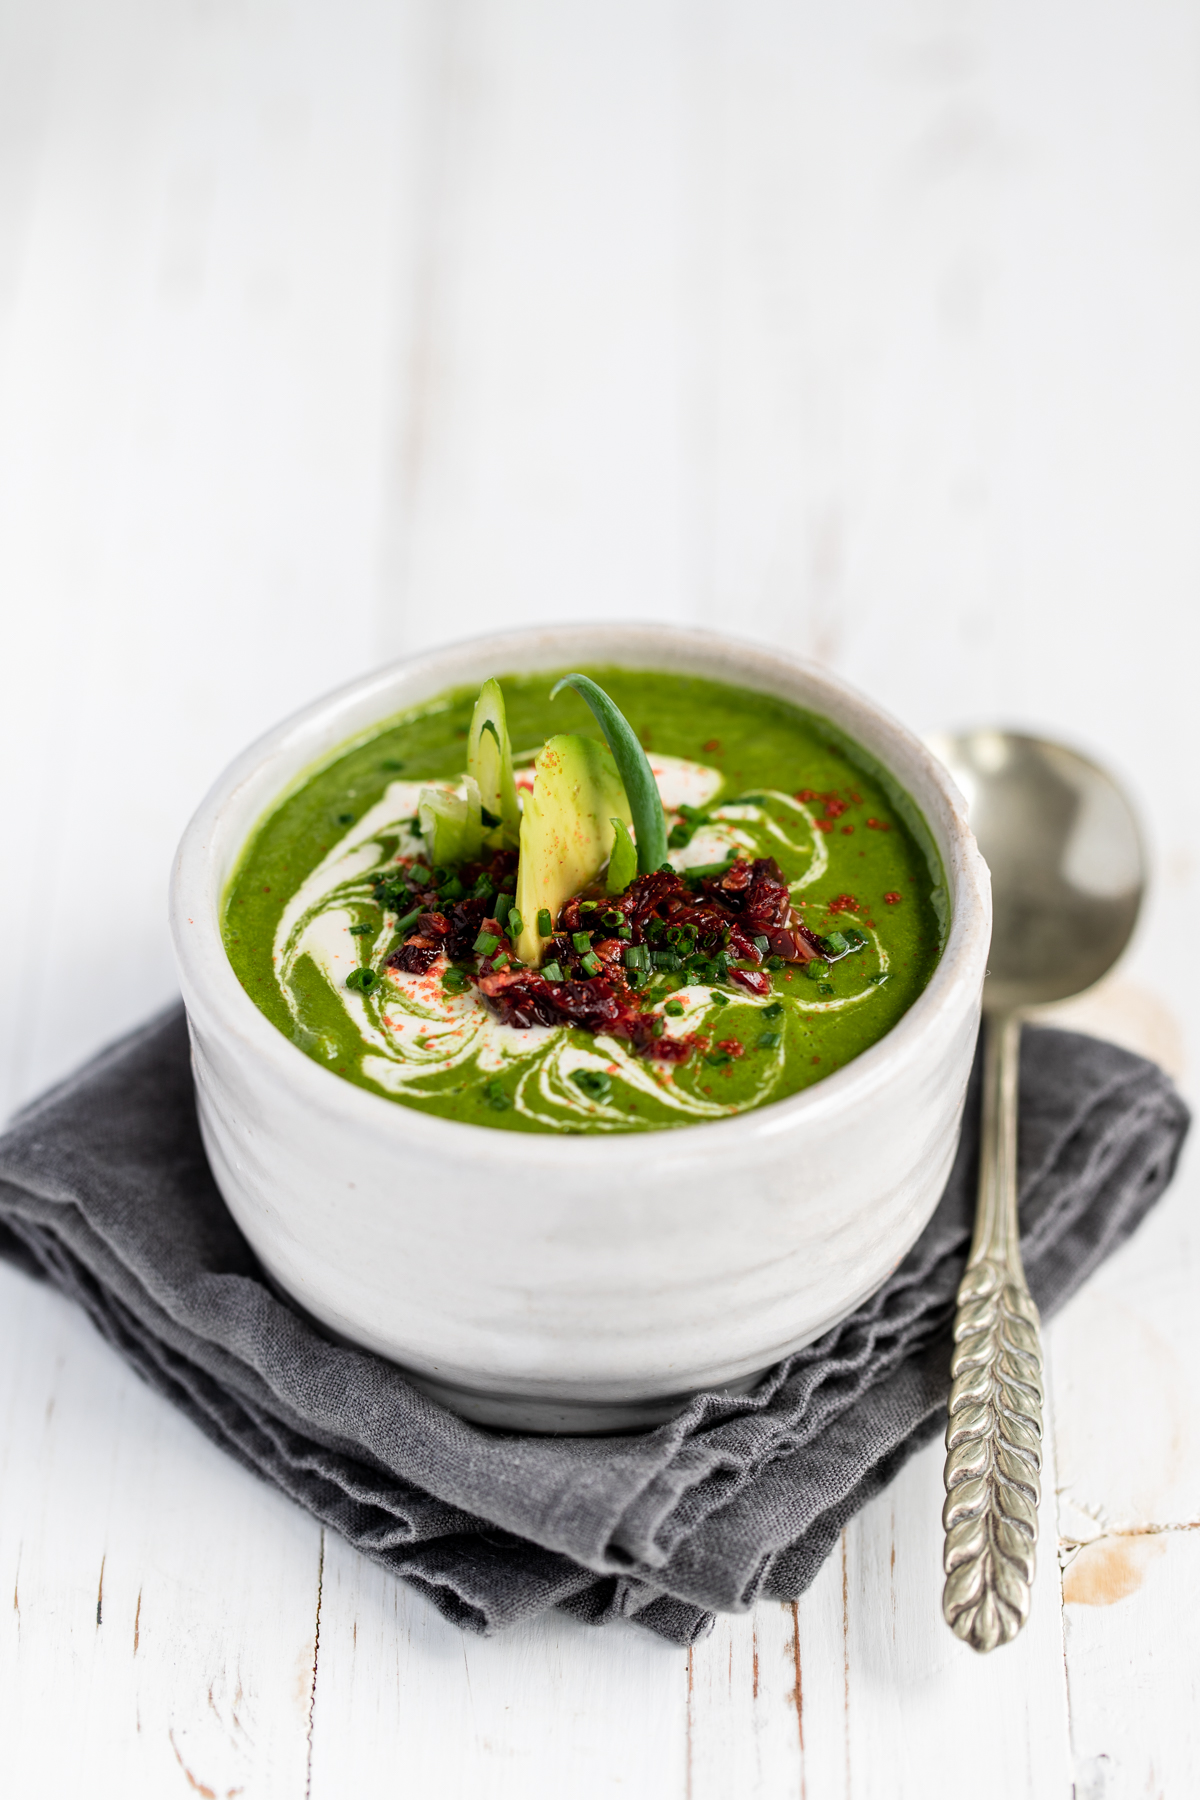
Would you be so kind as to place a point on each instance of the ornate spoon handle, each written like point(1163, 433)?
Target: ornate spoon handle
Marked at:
point(994, 1431)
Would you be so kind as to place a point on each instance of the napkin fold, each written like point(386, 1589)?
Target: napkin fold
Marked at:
point(105, 1191)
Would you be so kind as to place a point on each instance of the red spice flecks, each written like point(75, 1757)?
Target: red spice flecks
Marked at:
point(731, 1046)
point(845, 903)
point(878, 825)
point(834, 808)
point(823, 824)
point(807, 794)
point(714, 744)
point(847, 831)
point(892, 899)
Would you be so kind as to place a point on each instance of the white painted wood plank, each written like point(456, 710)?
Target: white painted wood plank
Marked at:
point(157, 1628)
point(1133, 1655)
point(409, 1703)
point(545, 463)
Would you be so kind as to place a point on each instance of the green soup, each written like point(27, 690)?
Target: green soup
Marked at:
point(761, 778)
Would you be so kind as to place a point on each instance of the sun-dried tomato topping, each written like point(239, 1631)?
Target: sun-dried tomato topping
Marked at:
point(742, 915)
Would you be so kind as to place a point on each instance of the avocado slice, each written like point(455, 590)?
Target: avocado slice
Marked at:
point(566, 831)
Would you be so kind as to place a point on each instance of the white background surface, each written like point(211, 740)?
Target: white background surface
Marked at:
point(327, 332)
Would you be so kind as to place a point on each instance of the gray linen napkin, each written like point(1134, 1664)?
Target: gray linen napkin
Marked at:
point(104, 1189)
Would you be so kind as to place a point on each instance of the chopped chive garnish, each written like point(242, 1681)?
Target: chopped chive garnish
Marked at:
point(581, 941)
point(591, 962)
point(658, 1028)
point(761, 943)
point(854, 937)
point(878, 979)
point(837, 942)
point(612, 918)
point(390, 763)
point(717, 1057)
point(774, 962)
point(665, 959)
point(419, 873)
point(486, 942)
point(345, 818)
point(774, 1011)
point(636, 956)
point(595, 1083)
point(501, 961)
point(364, 980)
point(514, 922)
point(770, 1040)
point(408, 921)
point(816, 971)
point(452, 889)
point(454, 982)
point(361, 930)
point(825, 987)
point(502, 908)
point(496, 1097)
point(589, 906)
point(552, 971)
point(674, 1009)
point(721, 1000)
point(545, 923)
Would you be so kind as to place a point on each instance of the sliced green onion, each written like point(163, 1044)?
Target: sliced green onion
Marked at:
point(641, 790)
point(770, 1040)
point(595, 1083)
point(514, 923)
point(496, 1097)
point(581, 941)
point(552, 971)
point(364, 980)
point(545, 923)
point(774, 1011)
point(721, 1000)
point(409, 920)
point(454, 982)
point(486, 942)
point(674, 1009)
point(774, 962)
point(361, 930)
point(591, 962)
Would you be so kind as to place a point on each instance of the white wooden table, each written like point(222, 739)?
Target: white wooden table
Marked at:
point(331, 331)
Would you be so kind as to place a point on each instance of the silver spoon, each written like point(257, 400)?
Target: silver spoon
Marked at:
point(1068, 871)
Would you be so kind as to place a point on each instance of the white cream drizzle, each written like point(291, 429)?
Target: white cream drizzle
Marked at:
point(411, 1030)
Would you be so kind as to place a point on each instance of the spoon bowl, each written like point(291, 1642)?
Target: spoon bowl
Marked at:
point(1067, 862)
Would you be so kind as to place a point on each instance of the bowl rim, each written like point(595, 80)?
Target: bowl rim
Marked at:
point(213, 992)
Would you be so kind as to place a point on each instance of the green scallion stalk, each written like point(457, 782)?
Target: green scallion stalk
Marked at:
point(641, 790)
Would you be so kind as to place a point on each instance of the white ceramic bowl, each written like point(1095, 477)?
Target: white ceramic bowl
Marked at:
point(578, 1283)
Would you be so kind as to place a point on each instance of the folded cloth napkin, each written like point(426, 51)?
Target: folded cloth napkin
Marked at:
point(104, 1189)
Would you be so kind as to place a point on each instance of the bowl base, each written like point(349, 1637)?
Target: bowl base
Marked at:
point(565, 1418)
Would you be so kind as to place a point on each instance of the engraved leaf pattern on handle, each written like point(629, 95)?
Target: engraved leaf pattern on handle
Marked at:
point(994, 1456)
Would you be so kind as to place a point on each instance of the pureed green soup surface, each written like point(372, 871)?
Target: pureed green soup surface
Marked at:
point(765, 778)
